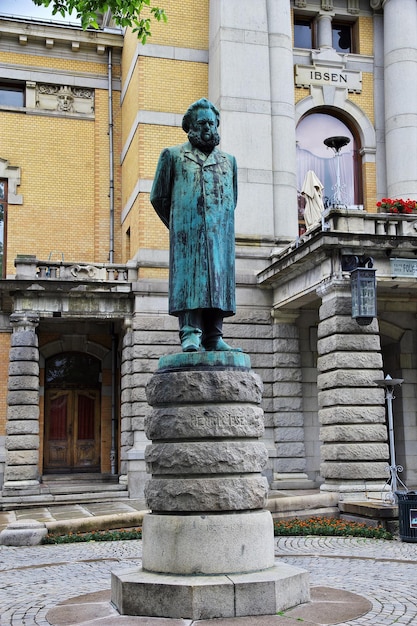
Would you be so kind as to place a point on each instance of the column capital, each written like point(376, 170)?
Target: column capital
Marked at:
point(24, 321)
point(332, 285)
point(284, 317)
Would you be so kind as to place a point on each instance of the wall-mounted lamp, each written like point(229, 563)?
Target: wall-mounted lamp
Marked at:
point(363, 287)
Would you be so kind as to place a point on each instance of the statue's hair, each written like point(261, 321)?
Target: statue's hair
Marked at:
point(203, 103)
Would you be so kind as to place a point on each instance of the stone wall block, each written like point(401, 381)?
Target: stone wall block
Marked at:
point(354, 471)
point(332, 325)
point(287, 404)
point(359, 433)
point(206, 494)
point(23, 412)
point(352, 343)
point(22, 442)
point(22, 457)
point(24, 354)
point(355, 452)
point(207, 457)
point(22, 397)
point(285, 388)
point(126, 438)
point(349, 378)
point(364, 396)
point(201, 421)
point(353, 414)
point(350, 360)
point(23, 472)
point(288, 375)
point(22, 427)
point(24, 338)
point(294, 449)
point(287, 465)
point(24, 368)
point(204, 386)
point(340, 305)
point(283, 420)
point(289, 434)
point(23, 383)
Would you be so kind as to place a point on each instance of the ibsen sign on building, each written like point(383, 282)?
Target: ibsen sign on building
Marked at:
point(307, 75)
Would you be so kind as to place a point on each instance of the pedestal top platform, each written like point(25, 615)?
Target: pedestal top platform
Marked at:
point(205, 360)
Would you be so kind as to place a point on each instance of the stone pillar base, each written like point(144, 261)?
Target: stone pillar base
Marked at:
point(355, 490)
point(208, 543)
point(278, 588)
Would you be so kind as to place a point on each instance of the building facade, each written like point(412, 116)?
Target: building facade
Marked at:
point(323, 86)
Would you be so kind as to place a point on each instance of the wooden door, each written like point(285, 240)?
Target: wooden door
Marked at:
point(72, 430)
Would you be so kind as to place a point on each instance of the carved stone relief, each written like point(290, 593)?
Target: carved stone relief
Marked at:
point(65, 99)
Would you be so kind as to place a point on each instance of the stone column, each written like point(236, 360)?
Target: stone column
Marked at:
point(22, 430)
point(353, 433)
point(208, 545)
point(324, 31)
point(400, 79)
point(290, 464)
point(283, 119)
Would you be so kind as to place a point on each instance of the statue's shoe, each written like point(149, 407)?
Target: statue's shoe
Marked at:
point(221, 346)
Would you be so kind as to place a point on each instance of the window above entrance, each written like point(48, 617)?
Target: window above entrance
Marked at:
point(72, 369)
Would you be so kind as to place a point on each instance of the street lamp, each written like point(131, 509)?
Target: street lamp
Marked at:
point(389, 383)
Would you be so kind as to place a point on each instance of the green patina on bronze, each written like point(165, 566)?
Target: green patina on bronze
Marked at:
point(195, 195)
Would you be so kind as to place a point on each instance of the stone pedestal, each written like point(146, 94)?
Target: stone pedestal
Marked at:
point(208, 545)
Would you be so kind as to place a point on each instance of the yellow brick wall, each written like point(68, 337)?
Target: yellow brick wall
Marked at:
point(187, 25)
point(365, 99)
point(366, 35)
point(168, 85)
point(50, 62)
point(64, 183)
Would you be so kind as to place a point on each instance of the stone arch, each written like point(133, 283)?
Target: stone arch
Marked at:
point(75, 343)
point(339, 103)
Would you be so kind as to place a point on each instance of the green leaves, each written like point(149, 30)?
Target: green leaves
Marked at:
point(125, 13)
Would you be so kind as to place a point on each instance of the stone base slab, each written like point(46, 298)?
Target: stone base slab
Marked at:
point(23, 533)
point(208, 544)
point(138, 592)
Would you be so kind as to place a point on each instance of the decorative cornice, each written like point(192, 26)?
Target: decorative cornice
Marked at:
point(377, 4)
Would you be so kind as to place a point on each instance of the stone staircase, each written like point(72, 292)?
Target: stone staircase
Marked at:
point(62, 489)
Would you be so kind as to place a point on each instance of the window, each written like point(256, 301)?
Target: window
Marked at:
point(72, 369)
point(12, 94)
point(342, 37)
point(3, 222)
point(340, 175)
point(304, 33)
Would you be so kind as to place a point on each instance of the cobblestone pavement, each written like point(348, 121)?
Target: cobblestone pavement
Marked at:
point(35, 579)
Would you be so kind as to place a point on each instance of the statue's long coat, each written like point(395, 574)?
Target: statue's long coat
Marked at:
point(196, 198)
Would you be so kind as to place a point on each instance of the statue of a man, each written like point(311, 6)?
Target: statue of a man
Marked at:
point(195, 194)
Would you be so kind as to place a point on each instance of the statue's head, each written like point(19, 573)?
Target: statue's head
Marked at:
point(200, 122)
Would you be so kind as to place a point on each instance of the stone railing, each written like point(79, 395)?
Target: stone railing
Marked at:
point(354, 221)
point(28, 267)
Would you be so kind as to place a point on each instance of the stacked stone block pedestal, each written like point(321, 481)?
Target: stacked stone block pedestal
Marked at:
point(21, 474)
point(208, 545)
point(353, 432)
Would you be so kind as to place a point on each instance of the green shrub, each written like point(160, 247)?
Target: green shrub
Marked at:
point(328, 526)
point(96, 535)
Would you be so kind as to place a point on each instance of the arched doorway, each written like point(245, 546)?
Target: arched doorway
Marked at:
point(72, 413)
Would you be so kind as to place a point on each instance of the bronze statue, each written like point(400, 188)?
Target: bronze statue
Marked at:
point(195, 194)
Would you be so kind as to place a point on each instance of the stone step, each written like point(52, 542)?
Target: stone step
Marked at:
point(11, 502)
